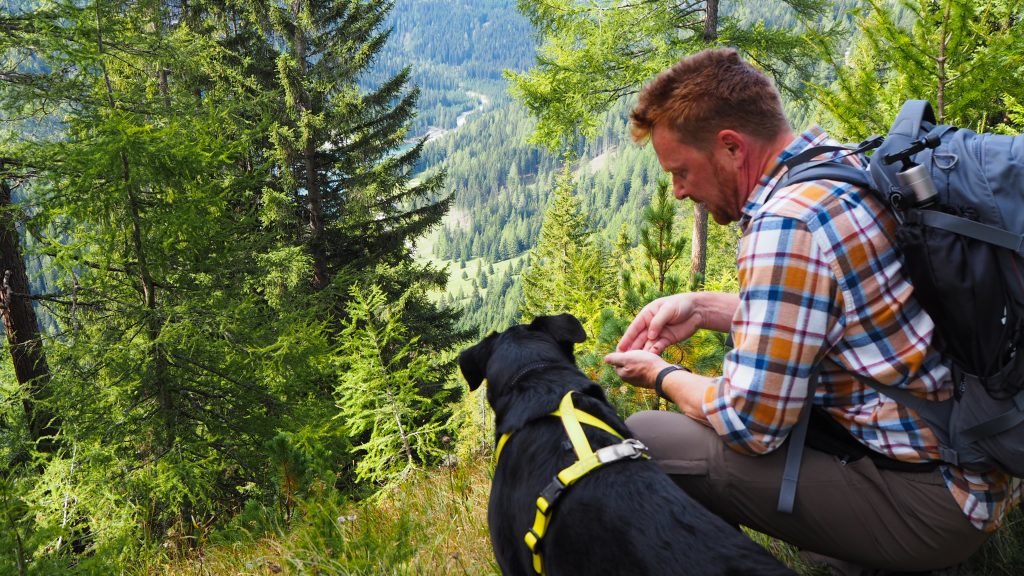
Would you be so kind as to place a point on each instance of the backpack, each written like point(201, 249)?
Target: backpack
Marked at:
point(958, 199)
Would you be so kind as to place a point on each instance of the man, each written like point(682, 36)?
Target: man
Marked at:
point(822, 298)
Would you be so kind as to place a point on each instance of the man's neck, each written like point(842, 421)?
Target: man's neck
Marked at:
point(765, 156)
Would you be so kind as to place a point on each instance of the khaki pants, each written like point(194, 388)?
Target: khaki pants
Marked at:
point(855, 512)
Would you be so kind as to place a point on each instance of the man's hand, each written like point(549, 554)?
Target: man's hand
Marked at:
point(636, 367)
point(672, 319)
point(661, 323)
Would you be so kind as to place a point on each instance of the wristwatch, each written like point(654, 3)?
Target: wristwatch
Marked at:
point(661, 377)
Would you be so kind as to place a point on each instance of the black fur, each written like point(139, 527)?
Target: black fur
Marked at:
point(624, 518)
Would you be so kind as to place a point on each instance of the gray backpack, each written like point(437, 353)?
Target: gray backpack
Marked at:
point(958, 197)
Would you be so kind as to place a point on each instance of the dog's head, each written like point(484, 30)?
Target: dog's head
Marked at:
point(546, 339)
point(526, 368)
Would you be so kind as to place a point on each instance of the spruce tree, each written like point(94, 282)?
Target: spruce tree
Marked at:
point(334, 143)
point(569, 271)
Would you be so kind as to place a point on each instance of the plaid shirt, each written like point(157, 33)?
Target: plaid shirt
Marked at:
point(822, 285)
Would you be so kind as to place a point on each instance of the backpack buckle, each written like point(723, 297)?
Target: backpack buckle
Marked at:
point(949, 455)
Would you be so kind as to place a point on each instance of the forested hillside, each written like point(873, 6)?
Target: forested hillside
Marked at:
point(454, 48)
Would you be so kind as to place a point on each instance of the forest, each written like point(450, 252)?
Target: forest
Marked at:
point(242, 243)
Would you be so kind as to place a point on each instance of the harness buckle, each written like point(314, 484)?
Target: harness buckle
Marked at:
point(532, 541)
point(629, 448)
point(549, 495)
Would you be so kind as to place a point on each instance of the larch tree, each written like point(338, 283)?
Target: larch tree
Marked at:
point(568, 271)
point(965, 57)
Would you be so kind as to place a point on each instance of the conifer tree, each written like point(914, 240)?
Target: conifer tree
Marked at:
point(21, 327)
point(595, 53)
point(568, 271)
point(662, 248)
point(393, 424)
point(963, 56)
point(334, 144)
point(141, 206)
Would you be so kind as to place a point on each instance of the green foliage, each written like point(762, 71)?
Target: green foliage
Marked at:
point(592, 54)
point(394, 426)
point(661, 247)
point(569, 271)
point(165, 164)
point(962, 55)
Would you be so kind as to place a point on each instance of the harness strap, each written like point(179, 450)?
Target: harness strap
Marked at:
point(579, 415)
point(587, 461)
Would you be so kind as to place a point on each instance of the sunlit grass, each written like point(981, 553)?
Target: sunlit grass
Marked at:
point(433, 523)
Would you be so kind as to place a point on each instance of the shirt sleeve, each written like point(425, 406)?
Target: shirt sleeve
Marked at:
point(790, 302)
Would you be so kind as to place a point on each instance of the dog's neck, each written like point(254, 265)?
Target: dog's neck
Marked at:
point(539, 365)
point(528, 399)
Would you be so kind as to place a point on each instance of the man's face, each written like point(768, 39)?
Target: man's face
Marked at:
point(706, 177)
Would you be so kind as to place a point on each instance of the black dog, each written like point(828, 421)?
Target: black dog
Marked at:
point(623, 518)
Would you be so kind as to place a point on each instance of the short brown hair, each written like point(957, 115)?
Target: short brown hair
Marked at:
point(708, 92)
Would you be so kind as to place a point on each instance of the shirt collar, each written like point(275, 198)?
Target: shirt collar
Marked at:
point(813, 136)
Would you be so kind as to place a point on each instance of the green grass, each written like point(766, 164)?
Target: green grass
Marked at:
point(434, 523)
point(456, 283)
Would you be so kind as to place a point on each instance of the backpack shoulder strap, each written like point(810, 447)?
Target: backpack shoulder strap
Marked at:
point(827, 171)
point(794, 453)
point(802, 167)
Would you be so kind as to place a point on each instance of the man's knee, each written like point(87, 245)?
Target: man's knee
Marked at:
point(679, 444)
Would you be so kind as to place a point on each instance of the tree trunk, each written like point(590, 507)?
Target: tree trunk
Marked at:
point(699, 244)
point(699, 247)
point(711, 22)
point(314, 199)
point(20, 324)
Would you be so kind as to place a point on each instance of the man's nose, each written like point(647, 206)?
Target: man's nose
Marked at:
point(678, 190)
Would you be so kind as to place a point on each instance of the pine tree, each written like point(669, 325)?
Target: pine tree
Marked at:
point(662, 248)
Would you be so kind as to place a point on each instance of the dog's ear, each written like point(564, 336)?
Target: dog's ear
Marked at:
point(473, 361)
point(565, 328)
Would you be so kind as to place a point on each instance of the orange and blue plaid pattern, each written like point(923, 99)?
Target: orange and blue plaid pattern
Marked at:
point(821, 284)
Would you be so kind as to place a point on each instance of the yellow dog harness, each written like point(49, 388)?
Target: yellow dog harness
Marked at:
point(587, 460)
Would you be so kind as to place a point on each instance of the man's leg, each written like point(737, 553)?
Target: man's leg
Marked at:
point(894, 521)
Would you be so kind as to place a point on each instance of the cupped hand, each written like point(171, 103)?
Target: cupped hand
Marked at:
point(637, 367)
point(661, 323)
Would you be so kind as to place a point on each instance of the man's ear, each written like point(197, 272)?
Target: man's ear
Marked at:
point(473, 362)
point(565, 328)
point(734, 143)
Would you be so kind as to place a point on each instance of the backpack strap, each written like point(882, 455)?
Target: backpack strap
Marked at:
point(827, 171)
point(968, 228)
point(935, 414)
point(998, 424)
point(802, 167)
point(795, 452)
point(939, 412)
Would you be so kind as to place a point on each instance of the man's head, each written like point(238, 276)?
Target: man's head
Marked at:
point(706, 93)
point(714, 121)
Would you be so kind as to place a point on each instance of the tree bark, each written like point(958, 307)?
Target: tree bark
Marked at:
point(699, 247)
point(711, 22)
point(22, 329)
point(314, 197)
point(699, 244)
